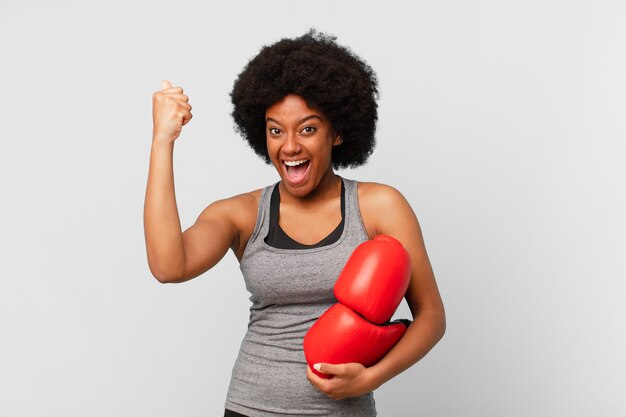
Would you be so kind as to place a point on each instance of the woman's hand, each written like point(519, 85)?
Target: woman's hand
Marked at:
point(170, 112)
point(349, 380)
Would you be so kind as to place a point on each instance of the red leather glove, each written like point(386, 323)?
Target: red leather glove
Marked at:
point(375, 278)
point(369, 289)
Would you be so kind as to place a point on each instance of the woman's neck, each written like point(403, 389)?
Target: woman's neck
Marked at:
point(328, 188)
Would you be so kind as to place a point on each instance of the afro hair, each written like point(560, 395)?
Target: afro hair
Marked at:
point(329, 77)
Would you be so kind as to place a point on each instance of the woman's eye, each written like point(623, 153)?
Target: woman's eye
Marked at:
point(309, 129)
point(274, 131)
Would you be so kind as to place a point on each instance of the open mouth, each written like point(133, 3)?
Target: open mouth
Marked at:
point(296, 170)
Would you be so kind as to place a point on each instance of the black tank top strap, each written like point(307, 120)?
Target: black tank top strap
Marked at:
point(276, 236)
point(231, 413)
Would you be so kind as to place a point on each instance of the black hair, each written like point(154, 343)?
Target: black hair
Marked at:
point(329, 77)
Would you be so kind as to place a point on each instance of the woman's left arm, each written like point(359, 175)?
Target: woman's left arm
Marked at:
point(392, 215)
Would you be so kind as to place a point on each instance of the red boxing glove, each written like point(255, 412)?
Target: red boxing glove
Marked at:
point(375, 278)
point(341, 336)
point(369, 290)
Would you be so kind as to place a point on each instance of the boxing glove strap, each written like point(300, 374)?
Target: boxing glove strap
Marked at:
point(406, 322)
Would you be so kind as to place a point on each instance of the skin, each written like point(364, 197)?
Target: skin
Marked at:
point(309, 211)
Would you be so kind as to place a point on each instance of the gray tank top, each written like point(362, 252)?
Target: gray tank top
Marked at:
point(290, 289)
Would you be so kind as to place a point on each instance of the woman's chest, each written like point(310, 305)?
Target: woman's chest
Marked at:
point(292, 277)
point(309, 227)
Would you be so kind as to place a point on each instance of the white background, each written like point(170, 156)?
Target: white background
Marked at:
point(501, 122)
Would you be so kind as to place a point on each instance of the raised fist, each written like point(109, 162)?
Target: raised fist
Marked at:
point(170, 112)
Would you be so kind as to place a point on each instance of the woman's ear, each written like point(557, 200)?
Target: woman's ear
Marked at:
point(338, 140)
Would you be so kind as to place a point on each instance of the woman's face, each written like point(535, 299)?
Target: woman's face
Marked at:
point(299, 143)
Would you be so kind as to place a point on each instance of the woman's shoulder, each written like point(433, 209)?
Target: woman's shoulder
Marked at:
point(242, 211)
point(375, 193)
point(379, 203)
point(245, 198)
point(240, 205)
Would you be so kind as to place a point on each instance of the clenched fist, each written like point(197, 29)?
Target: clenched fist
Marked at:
point(170, 112)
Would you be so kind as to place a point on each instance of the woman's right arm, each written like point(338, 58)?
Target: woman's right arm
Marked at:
point(174, 256)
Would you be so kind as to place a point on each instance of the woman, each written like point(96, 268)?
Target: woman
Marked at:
point(307, 106)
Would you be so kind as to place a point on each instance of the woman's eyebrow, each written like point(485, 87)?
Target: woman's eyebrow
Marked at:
point(269, 119)
point(310, 117)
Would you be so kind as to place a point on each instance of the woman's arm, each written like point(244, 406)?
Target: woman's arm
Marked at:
point(174, 256)
point(396, 218)
point(162, 230)
point(386, 211)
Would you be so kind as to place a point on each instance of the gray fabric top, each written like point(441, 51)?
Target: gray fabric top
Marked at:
point(290, 289)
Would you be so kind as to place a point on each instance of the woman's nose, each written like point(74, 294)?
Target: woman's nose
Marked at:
point(291, 146)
